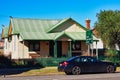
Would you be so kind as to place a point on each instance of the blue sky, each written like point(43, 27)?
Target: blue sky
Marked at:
point(79, 10)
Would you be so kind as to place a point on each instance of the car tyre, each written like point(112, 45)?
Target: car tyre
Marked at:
point(76, 70)
point(110, 69)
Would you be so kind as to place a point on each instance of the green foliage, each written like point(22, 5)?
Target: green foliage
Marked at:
point(111, 56)
point(26, 63)
point(108, 27)
point(111, 53)
point(49, 61)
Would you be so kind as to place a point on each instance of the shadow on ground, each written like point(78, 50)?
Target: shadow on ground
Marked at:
point(9, 67)
point(14, 71)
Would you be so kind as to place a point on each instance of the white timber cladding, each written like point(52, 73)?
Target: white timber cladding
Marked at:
point(20, 50)
point(6, 47)
point(99, 44)
point(23, 51)
point(14, 43)
point(74, 28)
point(10, 47)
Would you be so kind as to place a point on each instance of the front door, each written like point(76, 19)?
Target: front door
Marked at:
point(59, 48)
point(51, 48)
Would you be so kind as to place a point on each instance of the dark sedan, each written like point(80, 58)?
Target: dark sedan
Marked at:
point(85, 64)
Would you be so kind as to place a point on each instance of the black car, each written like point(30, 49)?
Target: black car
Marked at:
point(85, 64)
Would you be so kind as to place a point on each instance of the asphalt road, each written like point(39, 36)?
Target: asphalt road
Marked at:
point(103, 76)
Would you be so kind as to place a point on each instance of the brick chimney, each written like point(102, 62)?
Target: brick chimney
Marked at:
point(88, 23)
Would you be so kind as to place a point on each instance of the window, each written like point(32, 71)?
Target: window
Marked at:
point(10, 38)
point(84, 59)
point(34, 45)
point(76, 45)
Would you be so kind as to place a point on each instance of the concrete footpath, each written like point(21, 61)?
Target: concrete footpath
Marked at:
point(18, 72)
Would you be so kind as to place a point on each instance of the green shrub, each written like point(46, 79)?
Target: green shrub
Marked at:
point(49, 61)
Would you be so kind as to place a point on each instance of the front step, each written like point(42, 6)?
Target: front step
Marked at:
point(34, 55)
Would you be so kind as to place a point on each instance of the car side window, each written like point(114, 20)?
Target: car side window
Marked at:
point(92, 60)
point(84, 59)
point(87, 60)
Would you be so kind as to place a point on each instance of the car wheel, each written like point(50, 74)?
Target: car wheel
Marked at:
point(110, 69)
point(76, 70)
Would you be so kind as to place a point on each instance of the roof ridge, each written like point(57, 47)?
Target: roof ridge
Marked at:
point(34, 18)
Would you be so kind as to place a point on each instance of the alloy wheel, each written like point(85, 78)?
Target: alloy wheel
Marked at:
point(76, 70)
point(110, 69)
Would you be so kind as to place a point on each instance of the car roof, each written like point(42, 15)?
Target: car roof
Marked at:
point(85, 56)
point(80, 57)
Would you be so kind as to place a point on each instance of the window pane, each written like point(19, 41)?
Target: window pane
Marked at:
point(34, 45)
point(76, 45)
point(31, 47)
point(37, 46)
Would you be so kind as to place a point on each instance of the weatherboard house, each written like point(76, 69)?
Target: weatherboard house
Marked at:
point(27, 38)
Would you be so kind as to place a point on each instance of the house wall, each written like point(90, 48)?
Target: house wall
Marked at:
point(14, 45)
point(20, 49)
point(99, 44)
point(10, 47)
point(6, 47)
point(84, 48)
point(23, 50)
point(65, 48)
point(44, 48)
point(16, 48)
point(1, 44)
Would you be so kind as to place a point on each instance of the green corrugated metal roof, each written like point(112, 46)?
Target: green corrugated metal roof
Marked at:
point(58, 24)
point(5, 32)
point(36, 29)
point(53, 36)
point(75, 35)
point(36, 36)
point(31, 25)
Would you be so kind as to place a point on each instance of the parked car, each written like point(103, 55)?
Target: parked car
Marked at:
point(85, 64)
point(2, 66)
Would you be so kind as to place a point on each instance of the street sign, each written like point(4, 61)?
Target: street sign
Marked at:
point(89, 37)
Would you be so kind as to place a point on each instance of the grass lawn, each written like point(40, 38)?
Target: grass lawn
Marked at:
point(46, 71)
point(42, 71)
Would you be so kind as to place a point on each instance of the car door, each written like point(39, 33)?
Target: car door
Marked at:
point(91, 64)
point(96, 65)
point(99, 66)
point(86, 65)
